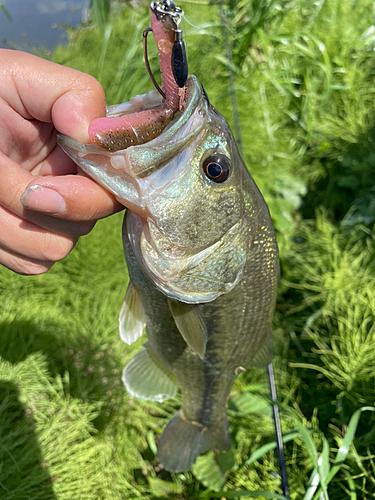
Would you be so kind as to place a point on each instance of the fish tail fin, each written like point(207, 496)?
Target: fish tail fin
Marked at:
point(184, 440)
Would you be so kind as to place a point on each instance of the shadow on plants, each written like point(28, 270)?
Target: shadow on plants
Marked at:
point(89, 371)
point(348, 174)
point(23, 472)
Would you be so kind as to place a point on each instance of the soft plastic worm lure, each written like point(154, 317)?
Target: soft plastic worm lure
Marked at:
point(120, 132)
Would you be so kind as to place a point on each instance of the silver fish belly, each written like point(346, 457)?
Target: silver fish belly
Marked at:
point(203, 267)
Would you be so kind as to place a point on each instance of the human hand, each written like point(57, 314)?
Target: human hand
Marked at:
point(44, 204)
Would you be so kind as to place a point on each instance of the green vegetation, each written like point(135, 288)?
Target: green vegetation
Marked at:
point(304, 74)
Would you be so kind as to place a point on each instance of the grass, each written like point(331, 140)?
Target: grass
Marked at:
point(304, 81)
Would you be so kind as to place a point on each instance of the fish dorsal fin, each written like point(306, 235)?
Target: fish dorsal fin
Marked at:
point(190, 323)
point(145, 379)
point(132, 316)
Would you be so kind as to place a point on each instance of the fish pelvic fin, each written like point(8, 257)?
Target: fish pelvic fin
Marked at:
point(145, 379)
point(132, 318)
point(184, 440)
point(190, 323)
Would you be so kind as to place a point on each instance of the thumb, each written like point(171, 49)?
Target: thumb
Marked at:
point(51, 93)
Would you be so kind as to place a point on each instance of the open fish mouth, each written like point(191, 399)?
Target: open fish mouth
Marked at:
point(124, 172)
point(117, 157)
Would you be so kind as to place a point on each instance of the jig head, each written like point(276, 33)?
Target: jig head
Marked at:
point(178, 58)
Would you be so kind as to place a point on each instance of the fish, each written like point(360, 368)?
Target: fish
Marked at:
point(202, 261)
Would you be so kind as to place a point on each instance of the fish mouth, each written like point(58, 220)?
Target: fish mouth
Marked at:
point(121, 172)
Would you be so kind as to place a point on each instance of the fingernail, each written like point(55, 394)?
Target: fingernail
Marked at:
point(43, 199)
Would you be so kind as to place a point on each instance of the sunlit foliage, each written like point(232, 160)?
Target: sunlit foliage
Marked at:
point(304, 79)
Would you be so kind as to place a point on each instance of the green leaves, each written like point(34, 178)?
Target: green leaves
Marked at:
point(323, 472)
point(235, 495)
point(164, 489)
point(8, 16)
point(266, 448)
point(249, 403)
point(304, 81)
point(100, 10)
point(212, 469)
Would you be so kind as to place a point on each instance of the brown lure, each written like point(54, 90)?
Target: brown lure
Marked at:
point(120, 132)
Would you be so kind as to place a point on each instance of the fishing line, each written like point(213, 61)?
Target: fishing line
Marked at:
point(185, 36)
point(184, 18)
point(191, 24)
point(232, 85)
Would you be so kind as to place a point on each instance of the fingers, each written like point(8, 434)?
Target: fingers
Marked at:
point(56, 163)
point(23, 265)
point(31, 241)
point(71, 197)
point(25, 240)
point(76, 200)
point(70, 99)
point(27, 248)
point(36, 98)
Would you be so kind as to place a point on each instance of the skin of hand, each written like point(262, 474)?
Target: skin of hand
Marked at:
point(45, 204)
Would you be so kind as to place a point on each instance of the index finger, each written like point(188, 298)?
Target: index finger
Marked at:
point(48, 92)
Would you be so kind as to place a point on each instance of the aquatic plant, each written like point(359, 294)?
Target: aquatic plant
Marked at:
point(304, 82)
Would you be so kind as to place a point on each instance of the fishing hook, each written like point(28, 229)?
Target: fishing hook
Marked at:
point(167, 7)
point(145, 33)
point(205, 94)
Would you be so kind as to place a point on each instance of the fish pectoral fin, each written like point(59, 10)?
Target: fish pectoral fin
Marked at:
point(132, 316)
point(190, 323)
point(264, 356)
point(146, 380)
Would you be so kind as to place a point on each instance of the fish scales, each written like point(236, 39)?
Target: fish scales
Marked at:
point(203, 267)
point(239, 323)
point(236, 333)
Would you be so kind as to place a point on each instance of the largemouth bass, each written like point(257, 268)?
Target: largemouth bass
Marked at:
point(203, 266)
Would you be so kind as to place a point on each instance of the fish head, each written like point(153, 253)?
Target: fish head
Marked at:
point(188, 222)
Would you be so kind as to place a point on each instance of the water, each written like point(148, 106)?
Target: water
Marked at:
point(39, 23)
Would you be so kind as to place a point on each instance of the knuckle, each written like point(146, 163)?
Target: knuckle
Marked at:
point(56, 248)
point(91, 85)
point(27, 268)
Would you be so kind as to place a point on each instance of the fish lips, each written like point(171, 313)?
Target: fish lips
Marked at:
point(120, 171)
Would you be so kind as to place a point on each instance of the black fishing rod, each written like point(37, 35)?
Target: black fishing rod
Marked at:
point(271, 378)
point(278, 433)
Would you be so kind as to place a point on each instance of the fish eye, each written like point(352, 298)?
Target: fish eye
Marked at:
point(216, 168)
